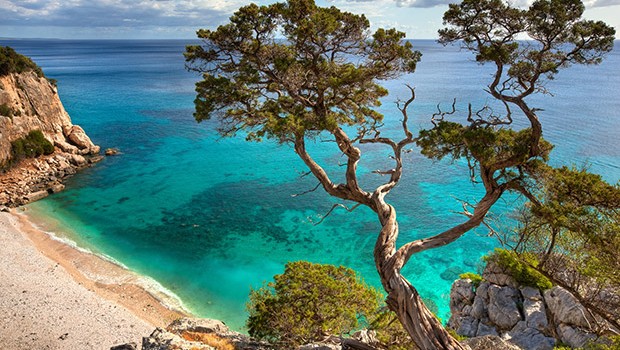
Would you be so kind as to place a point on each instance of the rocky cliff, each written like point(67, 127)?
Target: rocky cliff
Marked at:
point(30, 102)
point(524, 316)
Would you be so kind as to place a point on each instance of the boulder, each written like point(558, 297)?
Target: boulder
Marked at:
point(78, 137)
point(574, 337)
point(35, 196)
point(503, 309)
point(57, 188)
point(528, 338)
point(479, 307)
point(461, 295)
point(112, 151)
point(534, 308)
point(468, 326)
point(198, 325)
point(495, 274)
point(66, 147)
point(484, 329)
point(565, 308)
point(77, 160)
point(128, 346)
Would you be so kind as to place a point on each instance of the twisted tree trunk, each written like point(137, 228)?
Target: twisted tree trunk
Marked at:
point(403, 299)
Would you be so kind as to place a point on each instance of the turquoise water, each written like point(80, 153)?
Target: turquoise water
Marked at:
point(208, 218)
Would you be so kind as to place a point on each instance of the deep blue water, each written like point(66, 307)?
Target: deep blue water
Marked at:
point(208, 218)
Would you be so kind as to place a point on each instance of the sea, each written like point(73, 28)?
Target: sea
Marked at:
point(207, 218)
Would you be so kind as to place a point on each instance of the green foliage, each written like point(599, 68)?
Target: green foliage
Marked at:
point(475, 278)
point(31, 146)
point(12, 62)
point(456, 336)
point(6, 110)
point(309, 301)
point(268, 87)
point(577, 216)
point(522, 268)
point(607, 343)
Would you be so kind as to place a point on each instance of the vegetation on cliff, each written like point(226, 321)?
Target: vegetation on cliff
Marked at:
point(31, 146)
point(13, 62)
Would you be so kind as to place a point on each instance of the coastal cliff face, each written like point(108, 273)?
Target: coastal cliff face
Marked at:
point(29, 102)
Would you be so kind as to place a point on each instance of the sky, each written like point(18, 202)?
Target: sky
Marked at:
point(179, 19)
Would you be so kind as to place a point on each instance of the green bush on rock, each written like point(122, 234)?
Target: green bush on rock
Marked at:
point(12, 62)
point(522, 267)
point(31, 146)
point(309, 301)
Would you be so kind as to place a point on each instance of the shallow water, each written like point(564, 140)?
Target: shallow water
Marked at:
point(208, 218)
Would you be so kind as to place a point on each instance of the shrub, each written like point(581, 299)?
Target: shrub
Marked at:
point(6, 110)
point(31, 146)
point(12, 62)
point(522, 268)
point(309, 301)
point(474, 277)
point(212, 340)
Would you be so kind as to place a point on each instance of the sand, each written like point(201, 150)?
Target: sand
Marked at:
point(53, 296)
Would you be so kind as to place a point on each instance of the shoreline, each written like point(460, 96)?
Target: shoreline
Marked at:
point(49, 267)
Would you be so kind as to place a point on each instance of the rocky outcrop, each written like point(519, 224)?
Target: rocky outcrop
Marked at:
point(31, 102)
point(207, 334)
point(520, 315)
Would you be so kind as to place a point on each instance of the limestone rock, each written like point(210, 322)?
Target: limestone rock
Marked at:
point(162, 340)
point(565, 308)
point(489, 342)
point(529, 338)
point(479, 307)
point(574, 337)
point(36, 106)
point(78, 137)
point(461, 294)
point(32, 197)
point(128, 346)
point(484, 329)
point(503, 309)
point(468, 326)
point(66, 147)
point(112, 151)
point(534, 308)
point(198, 325)
point(495, 274)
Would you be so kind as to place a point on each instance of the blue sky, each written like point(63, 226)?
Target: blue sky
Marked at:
point(169, 19)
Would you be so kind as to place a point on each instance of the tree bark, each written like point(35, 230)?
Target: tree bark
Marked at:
point(424, 328)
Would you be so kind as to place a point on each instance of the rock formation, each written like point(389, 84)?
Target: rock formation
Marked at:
point(524, 316)
point(30, 102)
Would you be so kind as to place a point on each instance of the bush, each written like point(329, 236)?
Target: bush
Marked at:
point(12, 62)
point(6, 110)
point(522, 268)
point(309, 301)
point(474, 277)
point(31, 146)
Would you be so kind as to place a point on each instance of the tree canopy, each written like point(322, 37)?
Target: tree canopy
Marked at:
point(295, 69)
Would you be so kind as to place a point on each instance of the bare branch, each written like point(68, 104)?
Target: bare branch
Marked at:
point(306, 192)
point(440, 115)
point(334, 207)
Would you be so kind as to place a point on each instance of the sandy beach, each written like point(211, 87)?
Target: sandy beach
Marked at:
point(53, 296)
